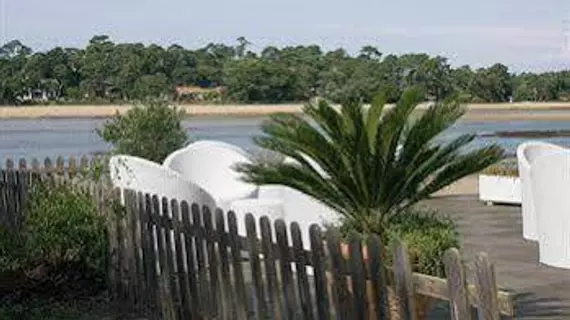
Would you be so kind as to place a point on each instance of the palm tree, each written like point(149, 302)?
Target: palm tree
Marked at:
point(376, 162)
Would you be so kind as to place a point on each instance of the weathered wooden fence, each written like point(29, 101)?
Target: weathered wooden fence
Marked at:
point(185, 262)
point(177, 261)
point(70, 166)
point(16, 179)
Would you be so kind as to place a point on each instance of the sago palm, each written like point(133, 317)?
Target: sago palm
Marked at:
point(369, 163)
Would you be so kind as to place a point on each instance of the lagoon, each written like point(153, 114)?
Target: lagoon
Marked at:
point(40, 138)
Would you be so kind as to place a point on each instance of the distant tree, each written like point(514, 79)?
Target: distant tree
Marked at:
point(13, 49)
point(241, 48)
point(105, 71)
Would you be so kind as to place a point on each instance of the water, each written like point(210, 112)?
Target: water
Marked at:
point(42, 138)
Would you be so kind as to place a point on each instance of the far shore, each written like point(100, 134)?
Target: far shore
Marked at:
point(477, 112)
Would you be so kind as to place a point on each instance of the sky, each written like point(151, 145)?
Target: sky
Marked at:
point(526, 35)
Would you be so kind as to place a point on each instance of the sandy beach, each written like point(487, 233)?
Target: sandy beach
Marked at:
point(477, 112)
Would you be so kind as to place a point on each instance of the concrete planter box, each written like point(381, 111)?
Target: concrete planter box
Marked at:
point(499, 189)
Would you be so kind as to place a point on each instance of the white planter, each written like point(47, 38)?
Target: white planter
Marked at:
point(499, 189)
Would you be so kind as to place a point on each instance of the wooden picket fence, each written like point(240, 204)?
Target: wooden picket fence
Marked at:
point(180, 261)
point(70, 166)
point(15, 181)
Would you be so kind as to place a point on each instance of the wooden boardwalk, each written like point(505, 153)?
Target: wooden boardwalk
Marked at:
point(544, 292)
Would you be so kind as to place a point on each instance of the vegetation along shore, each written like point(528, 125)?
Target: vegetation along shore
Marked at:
point(105, 72)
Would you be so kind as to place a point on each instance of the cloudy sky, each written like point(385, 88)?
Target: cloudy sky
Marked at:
point(524, 34)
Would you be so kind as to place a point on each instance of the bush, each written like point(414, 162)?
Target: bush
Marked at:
point(152, 131)
point(63, 226)
point(507, 168)
point(60, 251)
point(11, 252)
point(427, 235)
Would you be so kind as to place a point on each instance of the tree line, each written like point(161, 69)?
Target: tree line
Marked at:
point(109, 72)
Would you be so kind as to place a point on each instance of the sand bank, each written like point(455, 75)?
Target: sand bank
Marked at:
point(93, 111)
point(499, 112)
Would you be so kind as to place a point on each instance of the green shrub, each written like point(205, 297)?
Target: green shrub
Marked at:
point(11, 251)
point(61, 229)
point(151, 131)
point(507, 167)
point(58, 257)
point(62, 226)
point(427, 235)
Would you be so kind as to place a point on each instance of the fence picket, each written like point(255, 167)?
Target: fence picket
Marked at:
point(404, 285)
point(12, 204)
point(457, 284)
point(72, 167)
point(35, 165)
point(378, 295)
point(146, 303)
point(196, 307)
point(319, 267)
point(201, 260)
point(113, 237)
point(286, 273)
point(227, 302)
point(4, 213)
point(269, 255)
point(166, 300)
point(22, 164)
point(244, 310)
point(340, 294)
point(358, 279)
point(150, 253)
point(9, 164)
point(181, 273)
point(255, 267)
point(48, 166)
point(209, 236)
point(156, 218)
point(131, 245)
point(485, 274)
point(83, 164)
point(170, 256)
point(137, 229)
point(59, 165)
point(122, 285)
point(301, 267)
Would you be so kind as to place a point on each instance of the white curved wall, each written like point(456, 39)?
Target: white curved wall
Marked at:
point(138, 174)
point(550, 176)
point(526, 154)
point(210, 164)
point(300, 208)
point(273, 208)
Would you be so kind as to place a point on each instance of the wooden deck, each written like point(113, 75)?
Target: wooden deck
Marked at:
point(543, 292)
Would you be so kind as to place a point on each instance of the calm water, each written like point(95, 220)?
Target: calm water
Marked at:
point(51, 137)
